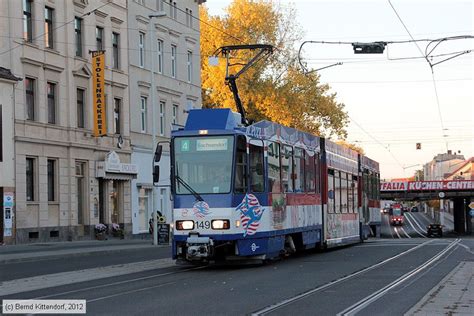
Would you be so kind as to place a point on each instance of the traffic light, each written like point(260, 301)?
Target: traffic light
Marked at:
point(418, 145)
point(369, 48)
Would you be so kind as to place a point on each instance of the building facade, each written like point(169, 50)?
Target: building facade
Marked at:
point(7, 154)
point(67, 180)
point(442, 165)
point(165, 82)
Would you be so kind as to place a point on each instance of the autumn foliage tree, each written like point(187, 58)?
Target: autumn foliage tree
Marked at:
point(274, 89)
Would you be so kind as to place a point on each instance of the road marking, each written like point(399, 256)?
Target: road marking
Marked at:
point(288, 301)
point(410, 217)
point(363, 303)
point(404, 231)
point(70, 277)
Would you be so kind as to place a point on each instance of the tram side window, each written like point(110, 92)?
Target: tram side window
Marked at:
point(318, 173)
point(356, 193)
point(350, 194)
point(240, 185)
point(337, 191)
point(331, 204)
point(309, 173)
point(274, 168)
point(287, 168)
point(344, 191)
point(257, 178)
point(298, 173)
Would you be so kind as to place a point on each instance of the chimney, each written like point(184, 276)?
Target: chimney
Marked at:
point(449, 152)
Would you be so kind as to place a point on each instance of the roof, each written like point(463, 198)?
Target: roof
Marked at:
point(7, 74)
point(470, 160)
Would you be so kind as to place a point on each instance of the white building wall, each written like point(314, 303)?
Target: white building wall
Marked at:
point(168, 90)
point(7, 169)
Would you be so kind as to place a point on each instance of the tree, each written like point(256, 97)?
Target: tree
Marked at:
point(274, 89)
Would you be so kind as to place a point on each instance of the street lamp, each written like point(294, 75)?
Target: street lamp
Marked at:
point(153, 119)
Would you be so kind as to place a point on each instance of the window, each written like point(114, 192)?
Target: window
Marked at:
point(81, 190)
point(160, 56)
point(287, 168)
point(143, 114)
point(30, 179)
point(51, 91)
point(141, 49)
point(274, 168)
point(175, 114)
point(298, 173)
point(344, 192)
point(257, 179)
point(331, 191)
point(51, 180)
point(190, 66)
point(27, 22)
point(159, 5)
point(337, 191)
point(99, 35)
point(317, 173)
point(48, 27)
point(173, 10)
point(117, 119)
point(173, 61)
point(240, 185)
point(30, 98)
point(80, 108)
point(309, 173)
point(78, 36)
point(115, 50)
point(189, 17)
point(162, 117)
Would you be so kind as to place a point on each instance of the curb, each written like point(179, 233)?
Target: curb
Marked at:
point(90, 252)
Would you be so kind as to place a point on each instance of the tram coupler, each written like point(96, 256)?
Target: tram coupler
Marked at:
point(199, 247)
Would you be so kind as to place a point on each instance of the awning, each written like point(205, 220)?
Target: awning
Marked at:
point(146, 186)
point(118, 176)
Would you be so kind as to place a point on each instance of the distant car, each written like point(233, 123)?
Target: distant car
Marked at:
point(435, 229)
point(385, 210)
point(414, 209)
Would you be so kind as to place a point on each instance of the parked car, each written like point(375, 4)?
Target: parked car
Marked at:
point(414, 209)
point(435, 229)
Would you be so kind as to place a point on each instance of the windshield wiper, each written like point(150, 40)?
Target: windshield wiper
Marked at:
point(188, 187)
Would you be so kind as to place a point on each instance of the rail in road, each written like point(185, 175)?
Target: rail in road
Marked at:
point(414, 226)
point(342, 281)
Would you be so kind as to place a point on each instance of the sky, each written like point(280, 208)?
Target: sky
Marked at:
point(394, 103)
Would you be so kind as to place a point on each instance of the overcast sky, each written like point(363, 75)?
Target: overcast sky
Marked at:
point(392, 103)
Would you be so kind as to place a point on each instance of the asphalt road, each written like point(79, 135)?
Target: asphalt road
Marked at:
point(414, 226)
point(323, 283)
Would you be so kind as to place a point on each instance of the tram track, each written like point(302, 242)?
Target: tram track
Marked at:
point(105, 285)
point(294, 299)
point(366, 301)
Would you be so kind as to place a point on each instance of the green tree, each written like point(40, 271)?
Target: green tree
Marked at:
point(274, 89)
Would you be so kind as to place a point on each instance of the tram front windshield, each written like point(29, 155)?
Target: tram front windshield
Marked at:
point(203, 163)
point(397, 212)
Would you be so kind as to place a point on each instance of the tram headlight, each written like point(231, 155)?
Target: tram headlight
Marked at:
point(220, 224)
point(184, 225)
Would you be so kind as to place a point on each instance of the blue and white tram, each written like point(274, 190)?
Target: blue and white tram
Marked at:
point(259, 191)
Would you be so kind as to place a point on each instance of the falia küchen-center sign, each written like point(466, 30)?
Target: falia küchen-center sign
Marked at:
point(427, 185)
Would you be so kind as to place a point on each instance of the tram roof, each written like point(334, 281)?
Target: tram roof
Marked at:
point(267, 130)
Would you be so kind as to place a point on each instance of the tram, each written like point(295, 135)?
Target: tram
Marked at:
point(259, 191)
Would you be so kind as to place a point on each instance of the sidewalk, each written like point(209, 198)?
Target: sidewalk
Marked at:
point(454, 295)
point(54, 250)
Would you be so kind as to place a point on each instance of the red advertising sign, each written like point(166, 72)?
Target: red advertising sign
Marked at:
point(428, 185)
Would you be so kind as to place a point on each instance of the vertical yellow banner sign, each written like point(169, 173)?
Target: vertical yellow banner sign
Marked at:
point(98, 92)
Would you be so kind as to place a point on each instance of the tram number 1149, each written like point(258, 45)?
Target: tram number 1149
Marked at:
point(203, 224)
